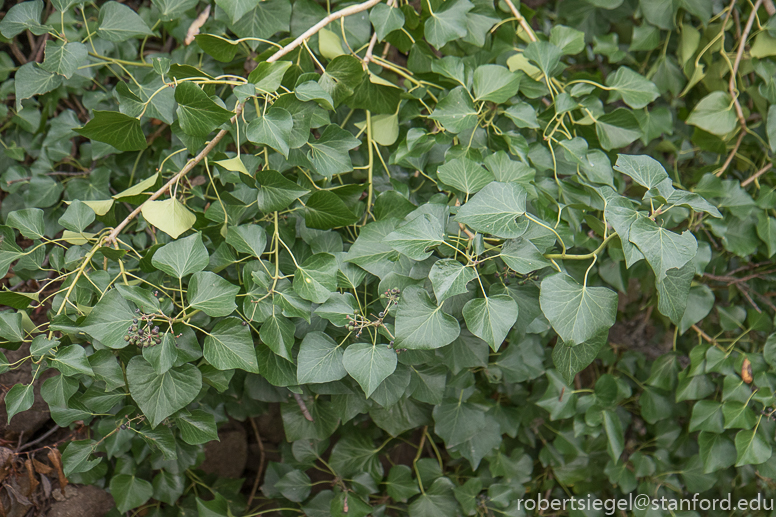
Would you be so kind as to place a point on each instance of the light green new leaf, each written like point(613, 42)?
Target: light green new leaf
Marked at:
point(714, 114)
point(420, 324)
point(319, 360)
point(645, 170)
point(673, 291)
point(230, 346)
point(129, 491)
point(182, 257)
point(369, 364)
point(29, 221)
point(447, 22)
point(569, 41)
point(117, 129)
point(493, 210)
point(161, 395)
point(119, 23)
point(197, 427)
point(662, 248)
point(495, 83)
point(523, 256)
point(109, 320)
point(633, 88)
point(170, 216)
point(197, 113)
point(64, 58)
point(329, 153)
point(416, 237)
point(491, 318)
point(576, 312)
point(272, 129)
point(212, 294)
point(316, 278)
point(464, 174)
point(449, 278)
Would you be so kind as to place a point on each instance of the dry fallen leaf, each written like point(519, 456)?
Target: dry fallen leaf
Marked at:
point(197, 24)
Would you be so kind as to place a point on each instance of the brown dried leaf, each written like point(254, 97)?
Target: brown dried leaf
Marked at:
point(31, 477)
point(746, 371)
point(41, 468)
point(55, 457)
point(197, 24)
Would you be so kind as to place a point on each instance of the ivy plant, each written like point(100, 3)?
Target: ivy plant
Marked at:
point(531, 246)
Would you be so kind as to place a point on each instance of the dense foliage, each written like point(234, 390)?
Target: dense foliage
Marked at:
point(533, 247)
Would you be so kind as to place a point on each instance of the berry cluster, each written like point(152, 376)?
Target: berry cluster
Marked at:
point(142, 332)
point(358, 322)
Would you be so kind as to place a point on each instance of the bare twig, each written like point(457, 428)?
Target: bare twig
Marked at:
point(739, 54)
point(521, 20)
point(303, 407)
point(769, 7)
point(353, 9)
point(756, 175)
point(262, 458)
point(38, 440)
point(732, 154)
point(371, 47)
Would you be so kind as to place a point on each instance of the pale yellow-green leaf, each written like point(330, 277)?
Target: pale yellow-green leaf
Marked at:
point(77, 239)
point(764, 46)
point(519, 62)
point(139, 188)
point(233, 164)
point(385, 128)
point(100, 207)
point(169, 215)
point(329, 44)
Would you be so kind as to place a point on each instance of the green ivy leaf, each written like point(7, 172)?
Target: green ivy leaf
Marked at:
point(129, 492)
point(273, 128)
point(325, 210)
point(369, 364)
point(229, 346)
point(420, 324)
point(119, 23)
point(212, 294)
point(21, 17)
point(385, 19)
point(18, 399)
point(161, 395)
point(276, 192)
point(449, 278)
point(491, 318)
point(197, 427)
point(329, 153)
point(117, 129)
point(576, 312)
point(448, 22)
point(64, 58)
point(634, 89)
point(495, 83)
point(416, 237)
point(494, 209)
point(662, 248)
point(714, 114)
point(29, 221)
point(316, 278)
point(198, 114)
point(182, 257)
point(319, 360)
point(464, 174)
point(752, 448)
